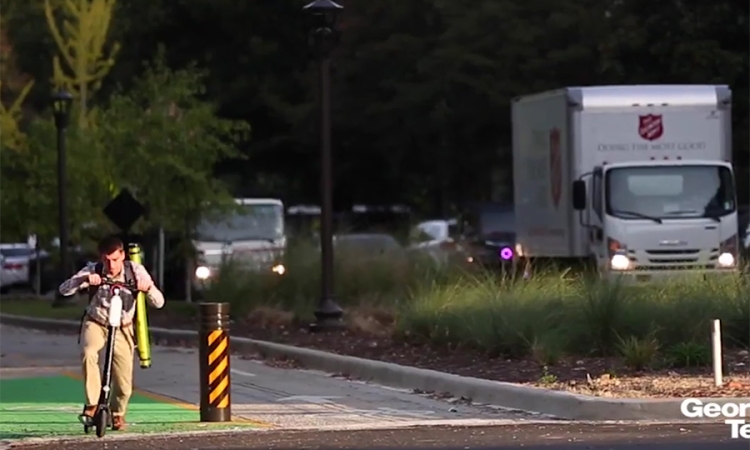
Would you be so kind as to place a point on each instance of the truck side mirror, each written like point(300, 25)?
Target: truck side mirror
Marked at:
point(579, 195)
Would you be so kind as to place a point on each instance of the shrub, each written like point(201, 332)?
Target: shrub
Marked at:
point(585, 317)
point(689, 354)
point(376, 282)
point(457, 307)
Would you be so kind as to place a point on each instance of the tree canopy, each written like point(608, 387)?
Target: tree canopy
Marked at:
point(421, 89)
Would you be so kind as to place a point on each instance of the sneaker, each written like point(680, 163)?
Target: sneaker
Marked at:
point(118, 423)
point(87, 416)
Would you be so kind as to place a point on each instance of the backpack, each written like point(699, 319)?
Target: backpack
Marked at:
point(99, 270)
point(92, 290)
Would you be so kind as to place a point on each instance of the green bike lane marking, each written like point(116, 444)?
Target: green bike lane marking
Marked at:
point(48, 406)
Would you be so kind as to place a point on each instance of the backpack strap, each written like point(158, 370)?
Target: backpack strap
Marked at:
point(129, 272)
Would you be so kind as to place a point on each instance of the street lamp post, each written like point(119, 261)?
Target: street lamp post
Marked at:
point(323, 14)
point(61, 103)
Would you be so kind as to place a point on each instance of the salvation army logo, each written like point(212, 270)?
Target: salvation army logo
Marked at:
point(555, 166)
point(650, 126)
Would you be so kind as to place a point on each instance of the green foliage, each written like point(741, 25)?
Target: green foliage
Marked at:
point(689, 354)
point(81, 44)
point(29, 180)
point(493, 314)
point(159, 139)
point(11, 137)
point(638, 353)
point(547, 317)
point(420, 88)
point(162, 142)
point(373, 281)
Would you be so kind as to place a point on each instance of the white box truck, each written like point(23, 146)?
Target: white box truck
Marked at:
point(636, 179)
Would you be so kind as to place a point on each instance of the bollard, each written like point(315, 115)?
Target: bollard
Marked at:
point(216, 404)
point(141, 315)
point(716, 352)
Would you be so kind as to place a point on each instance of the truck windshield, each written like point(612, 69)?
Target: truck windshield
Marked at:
point(669, 192)
point(255, 222)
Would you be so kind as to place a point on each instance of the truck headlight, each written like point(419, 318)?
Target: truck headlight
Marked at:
point(620, 262)
point(202, 272)
point(279, 269)
point(726, 260)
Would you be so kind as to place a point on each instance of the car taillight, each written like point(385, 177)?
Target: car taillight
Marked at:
point(12, 266)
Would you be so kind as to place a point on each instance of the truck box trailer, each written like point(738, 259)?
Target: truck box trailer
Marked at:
point(636, 179)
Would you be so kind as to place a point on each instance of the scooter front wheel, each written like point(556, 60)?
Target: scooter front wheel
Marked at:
point(101, 421)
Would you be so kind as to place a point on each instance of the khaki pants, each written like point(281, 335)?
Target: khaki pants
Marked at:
point(93, 341)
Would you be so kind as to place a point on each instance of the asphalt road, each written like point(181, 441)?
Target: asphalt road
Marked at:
point(506, 437)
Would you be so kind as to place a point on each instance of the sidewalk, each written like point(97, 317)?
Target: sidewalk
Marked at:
point(41, 395)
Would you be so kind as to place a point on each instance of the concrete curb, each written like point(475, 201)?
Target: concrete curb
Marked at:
point(563, 405)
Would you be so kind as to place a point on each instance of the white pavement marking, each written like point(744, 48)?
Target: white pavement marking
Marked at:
point(307, 399)
point(280, 398)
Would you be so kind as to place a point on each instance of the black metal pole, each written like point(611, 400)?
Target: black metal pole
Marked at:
point(62, 201)
point(329, 313)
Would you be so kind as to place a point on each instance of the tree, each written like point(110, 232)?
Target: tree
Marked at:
point(14, 147)
point(11, 137)
point(29, 180)
point(421, 89)
point(16, 84)
point(81, 43)
point(162, 142)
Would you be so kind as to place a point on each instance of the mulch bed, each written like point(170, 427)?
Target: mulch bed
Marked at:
point(606, 377)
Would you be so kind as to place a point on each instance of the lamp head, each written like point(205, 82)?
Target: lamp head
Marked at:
point(62, 101)
point(324, 13)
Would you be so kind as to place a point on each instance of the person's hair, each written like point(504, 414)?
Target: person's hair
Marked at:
point(110, 244)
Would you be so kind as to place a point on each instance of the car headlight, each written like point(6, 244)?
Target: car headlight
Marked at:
point(279, 269)
point(726, 260)
point(620, 262)
point(202, 272)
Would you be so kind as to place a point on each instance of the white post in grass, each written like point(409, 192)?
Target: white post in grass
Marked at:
point(716, 350)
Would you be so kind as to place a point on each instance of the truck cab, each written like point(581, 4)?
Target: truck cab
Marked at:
point(648, 219)
point(637, 179)
point(254, 238)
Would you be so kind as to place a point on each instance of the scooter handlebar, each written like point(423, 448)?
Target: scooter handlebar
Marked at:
point(114, 284)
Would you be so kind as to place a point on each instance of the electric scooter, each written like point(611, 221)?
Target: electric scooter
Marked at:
point(103, 417)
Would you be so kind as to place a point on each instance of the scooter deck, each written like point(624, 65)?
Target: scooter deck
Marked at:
point(85, 420)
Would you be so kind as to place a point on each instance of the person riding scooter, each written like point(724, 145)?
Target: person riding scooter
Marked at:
point(94, 324)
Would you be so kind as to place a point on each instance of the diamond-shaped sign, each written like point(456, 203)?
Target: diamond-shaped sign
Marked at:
point(124, 210)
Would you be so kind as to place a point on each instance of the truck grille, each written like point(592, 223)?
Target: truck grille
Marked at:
point(674, 259)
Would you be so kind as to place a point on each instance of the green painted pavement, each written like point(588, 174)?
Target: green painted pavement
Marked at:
point(42, 407)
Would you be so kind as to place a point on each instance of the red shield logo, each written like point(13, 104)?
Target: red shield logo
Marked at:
point(555, 166)
point(650, 127)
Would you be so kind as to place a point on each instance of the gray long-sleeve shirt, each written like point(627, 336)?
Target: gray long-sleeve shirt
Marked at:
point(97, 308)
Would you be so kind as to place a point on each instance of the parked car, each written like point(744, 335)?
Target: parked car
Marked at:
point(437, 238)
point(14, 271)
point(488, 233)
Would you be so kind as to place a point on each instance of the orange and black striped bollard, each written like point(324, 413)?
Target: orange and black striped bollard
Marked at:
point(216, 402)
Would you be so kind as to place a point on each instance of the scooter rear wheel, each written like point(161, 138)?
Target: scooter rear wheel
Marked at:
point(101, 421)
